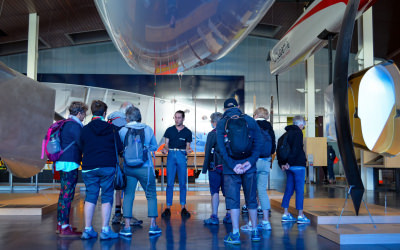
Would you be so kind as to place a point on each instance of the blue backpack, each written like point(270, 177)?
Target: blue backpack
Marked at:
point(135, 154)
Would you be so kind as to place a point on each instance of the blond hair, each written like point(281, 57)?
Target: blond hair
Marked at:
point(261, 113)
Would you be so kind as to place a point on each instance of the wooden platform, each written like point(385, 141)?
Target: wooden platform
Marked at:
point(327, 210)
point(29, 203)
point(361, 234)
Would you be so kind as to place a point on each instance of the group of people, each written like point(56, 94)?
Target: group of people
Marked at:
point(237, 155)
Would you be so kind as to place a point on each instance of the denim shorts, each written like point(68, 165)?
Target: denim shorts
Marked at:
point(103, 178)
point(216, 180)
point(233, 182)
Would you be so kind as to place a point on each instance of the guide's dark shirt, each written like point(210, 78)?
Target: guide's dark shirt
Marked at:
point(178, 139)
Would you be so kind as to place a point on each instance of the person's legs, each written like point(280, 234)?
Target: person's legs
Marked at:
point(61, 204)
point(249, 181)
point(107, 193)
point(148, 183)
point(299, 178)
point(71, 180)
point(182, 176)
point(289, 190)
point(330, 171)
point(262, 184)
point(131, 183)
point(232, 184)
point(92, 183)
point(171, 172)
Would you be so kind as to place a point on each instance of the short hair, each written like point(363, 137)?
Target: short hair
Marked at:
point(216, 117)
point(180, 112)
point(262, 113)
point(133, 114)
point(98, 108)
point(299, 120)
point(124, 106)
point(77, 107)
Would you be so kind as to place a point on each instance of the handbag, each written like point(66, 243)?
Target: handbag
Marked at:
point(120, 177)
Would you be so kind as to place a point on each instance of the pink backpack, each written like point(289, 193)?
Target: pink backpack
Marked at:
point(52, 142)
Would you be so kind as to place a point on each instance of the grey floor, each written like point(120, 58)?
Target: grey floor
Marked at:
point(36, 232)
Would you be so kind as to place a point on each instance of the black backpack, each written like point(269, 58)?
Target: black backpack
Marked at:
point(283, 149)
point(266, 148)
point(238, 141)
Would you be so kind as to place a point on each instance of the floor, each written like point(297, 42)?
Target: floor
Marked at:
point(37, 232)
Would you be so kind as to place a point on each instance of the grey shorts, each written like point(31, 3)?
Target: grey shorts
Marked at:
point(233, 183)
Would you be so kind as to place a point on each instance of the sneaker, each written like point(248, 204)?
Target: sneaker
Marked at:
point(125, 231)
point(109, 234)
point(58, 230)
point(247, 227)
point(185, 213)
point(154, 230)
point(232, 238)
point(303, 220)
point(89, 234)
point(255, 235)
point(166, 213)
point(260, 211)
point(265, 225)
point(69, 232)
point(213, 220)
point(288, 217)
point(244, 209)
point(227, 219)
point(117, 218)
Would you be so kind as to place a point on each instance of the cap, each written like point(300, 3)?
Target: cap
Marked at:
point(230, 103)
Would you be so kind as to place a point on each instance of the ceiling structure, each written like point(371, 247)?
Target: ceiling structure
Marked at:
point(74, 22)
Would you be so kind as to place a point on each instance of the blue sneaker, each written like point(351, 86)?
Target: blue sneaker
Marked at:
point(303, 220)
point(255, 235)
point(109, 234)
point(125, 232)
point(288, 217)
point(154, 230)
point(227, 219)
point(232, 238)
point(213, 220)
point(89, 234)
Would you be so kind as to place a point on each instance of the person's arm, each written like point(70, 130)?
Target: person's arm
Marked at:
point(221, 144)
point(153, 142)
point(166, 147)
point(188, 141)
point(207, 152)
point(120, 146)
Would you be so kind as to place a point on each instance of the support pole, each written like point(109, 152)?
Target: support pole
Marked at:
point(33, 37)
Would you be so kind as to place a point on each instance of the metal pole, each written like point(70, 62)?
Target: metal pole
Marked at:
point(344, 205)
point(162, 173)
point(37, 186)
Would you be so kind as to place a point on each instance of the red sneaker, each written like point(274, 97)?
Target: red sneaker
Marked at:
point(69, 232)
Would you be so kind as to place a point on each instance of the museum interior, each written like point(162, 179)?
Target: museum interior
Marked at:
point(327, 69)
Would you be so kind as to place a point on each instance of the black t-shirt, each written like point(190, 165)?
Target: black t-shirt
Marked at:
point(178, 139)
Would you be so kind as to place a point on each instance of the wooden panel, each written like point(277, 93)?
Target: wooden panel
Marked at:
point(317, 146)
point(361, 234)
point(392, 162)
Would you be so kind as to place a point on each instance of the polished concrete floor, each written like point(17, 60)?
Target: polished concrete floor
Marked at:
point(37, 232)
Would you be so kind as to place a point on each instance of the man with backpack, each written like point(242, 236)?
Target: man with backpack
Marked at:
point(177, 145)
point(292, 160)
point(118, 119)
point(213, 164)
point(139, 141)
point(263, 166)
point(239, 142)
point(68, 164)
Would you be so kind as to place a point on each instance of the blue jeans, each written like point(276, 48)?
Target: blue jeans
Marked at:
point(145, 176)
point(263, 169)
point(330, 170)
point(176, 163)
point(295, 181)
